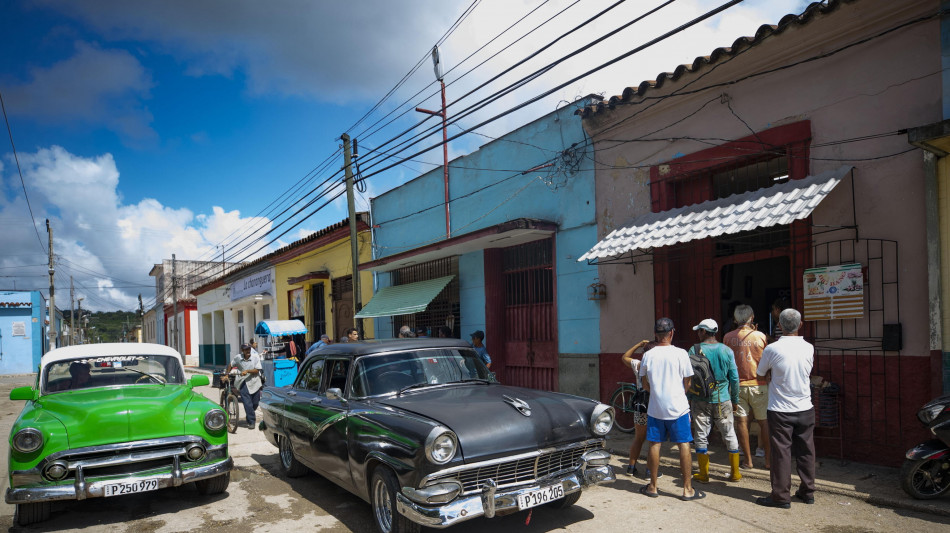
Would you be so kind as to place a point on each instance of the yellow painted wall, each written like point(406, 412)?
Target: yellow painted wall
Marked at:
point(335, 258)
point(943, 208)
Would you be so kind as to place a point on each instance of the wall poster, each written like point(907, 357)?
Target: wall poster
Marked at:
point(296, 302)
point(834, 292)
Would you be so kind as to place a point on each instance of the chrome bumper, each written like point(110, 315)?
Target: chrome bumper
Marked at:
point(492, 501)
point(82, 488)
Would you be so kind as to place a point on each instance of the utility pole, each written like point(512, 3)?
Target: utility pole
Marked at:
point(52, 291)
point(354, 243)
point(142, 316)
point(175, 304)
point(80, 320)
point(437, 65)
point(72, 313)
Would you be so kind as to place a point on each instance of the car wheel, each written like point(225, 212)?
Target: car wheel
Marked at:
point(383, 498)
point(566, 501)
point(288, 462)
point(31, 513)
point(213, 485)
point(234, 414)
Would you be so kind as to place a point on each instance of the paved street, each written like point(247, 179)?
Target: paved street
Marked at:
point(259, 499)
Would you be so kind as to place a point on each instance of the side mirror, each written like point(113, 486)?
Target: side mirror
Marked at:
point(23, 393)
point(335, 394)
point(199, 380)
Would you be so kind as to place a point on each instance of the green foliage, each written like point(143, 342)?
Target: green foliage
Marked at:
point(106, 326)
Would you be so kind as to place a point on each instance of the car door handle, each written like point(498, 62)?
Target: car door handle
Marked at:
point(315, 401)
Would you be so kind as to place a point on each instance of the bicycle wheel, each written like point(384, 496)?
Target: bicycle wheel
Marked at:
point(622, 402)
point(234, 413)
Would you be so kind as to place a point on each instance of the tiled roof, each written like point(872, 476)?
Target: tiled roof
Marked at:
point(742, 43)
point(15, 304)
point(762, 208)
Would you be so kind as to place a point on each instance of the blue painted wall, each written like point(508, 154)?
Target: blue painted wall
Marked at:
point(488, 187)
point(21, 354)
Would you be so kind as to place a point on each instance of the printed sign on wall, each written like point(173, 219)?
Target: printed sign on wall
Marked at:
point(19, 329)
point(834, 292)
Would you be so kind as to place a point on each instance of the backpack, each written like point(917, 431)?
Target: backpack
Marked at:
point(703, 382)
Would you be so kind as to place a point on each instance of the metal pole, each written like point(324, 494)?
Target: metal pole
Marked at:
point(445, 163)
point(354, 243)
point(72, 314)
point(80, 320)
point(174, 305)
point(52, 291)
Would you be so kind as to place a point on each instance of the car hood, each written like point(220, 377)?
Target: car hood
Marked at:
point(119, 414)
point(487, 424)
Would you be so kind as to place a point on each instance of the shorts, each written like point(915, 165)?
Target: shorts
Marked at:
point(676, 431)
point(640, 406)
point(754, 399)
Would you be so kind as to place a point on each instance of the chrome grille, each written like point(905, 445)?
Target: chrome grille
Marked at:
point(519, 471)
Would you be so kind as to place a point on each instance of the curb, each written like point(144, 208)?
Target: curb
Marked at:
point(825, 486)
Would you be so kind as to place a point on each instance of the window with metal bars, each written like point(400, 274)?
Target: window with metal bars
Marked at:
point(529, 275)
point(318, 311)
point(444, 310)
point(341, 286)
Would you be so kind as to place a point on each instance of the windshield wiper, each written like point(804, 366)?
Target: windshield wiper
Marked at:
point(471, 380)
point(416, 386)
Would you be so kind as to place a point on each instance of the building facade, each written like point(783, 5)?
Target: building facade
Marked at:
point(779, 168)
point(23, 338)
point(499, 255)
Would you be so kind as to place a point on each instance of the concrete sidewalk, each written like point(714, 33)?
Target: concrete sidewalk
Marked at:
point(877, 485)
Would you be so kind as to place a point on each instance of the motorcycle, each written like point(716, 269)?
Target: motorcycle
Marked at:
point(925, 473)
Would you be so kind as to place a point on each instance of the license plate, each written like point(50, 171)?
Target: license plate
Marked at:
point(539, 497)
point(118, 489)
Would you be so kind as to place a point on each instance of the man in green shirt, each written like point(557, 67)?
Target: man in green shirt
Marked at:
point(719, 407)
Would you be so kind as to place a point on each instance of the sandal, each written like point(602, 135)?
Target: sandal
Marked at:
point(645, 492)
point(697, 495)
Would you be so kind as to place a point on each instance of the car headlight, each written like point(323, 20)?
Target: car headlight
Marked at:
point(441, 445)
point(215, 420)
point(602, 419)
point(27, 440)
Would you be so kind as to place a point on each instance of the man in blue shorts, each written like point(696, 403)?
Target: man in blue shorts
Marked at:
point(665, 371)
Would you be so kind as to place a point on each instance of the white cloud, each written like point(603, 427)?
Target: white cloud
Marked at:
point(107, 246)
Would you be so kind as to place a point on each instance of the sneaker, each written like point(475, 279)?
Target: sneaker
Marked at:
point(759, 452)
point(632, 470)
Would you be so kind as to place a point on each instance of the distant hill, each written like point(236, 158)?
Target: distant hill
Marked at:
point(106, 326)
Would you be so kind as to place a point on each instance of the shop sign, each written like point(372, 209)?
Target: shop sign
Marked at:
point(257, 283)
point(834, 292)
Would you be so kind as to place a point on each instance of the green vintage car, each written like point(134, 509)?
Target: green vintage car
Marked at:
point(111, 419)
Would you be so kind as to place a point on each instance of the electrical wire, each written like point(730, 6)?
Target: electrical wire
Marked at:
point(20, 172)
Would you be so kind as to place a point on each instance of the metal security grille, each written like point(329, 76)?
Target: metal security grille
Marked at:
point(341, 287)
point(318, 311)
point(722, 181)
point(444, 309)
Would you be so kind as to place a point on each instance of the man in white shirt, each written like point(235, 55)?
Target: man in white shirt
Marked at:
point(788, 361)
point(665, 371)
point(248, 381)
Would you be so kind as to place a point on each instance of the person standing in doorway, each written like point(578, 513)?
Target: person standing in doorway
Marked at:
point(666, 371)
point(478, 338)
point(718, 408)
point(248, 381)
point(788, 363)
point(775, 327)
point(748, 343)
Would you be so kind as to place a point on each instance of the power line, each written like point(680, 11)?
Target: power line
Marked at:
point(20, 173)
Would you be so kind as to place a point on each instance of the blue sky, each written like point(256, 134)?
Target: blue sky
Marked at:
point(152, 127)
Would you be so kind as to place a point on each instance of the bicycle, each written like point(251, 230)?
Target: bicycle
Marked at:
point(622, 400)
point(230, 402)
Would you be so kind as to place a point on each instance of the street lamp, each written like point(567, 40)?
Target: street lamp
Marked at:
point(437, 67)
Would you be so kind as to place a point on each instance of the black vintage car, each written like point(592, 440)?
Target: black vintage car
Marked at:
point(421, 430)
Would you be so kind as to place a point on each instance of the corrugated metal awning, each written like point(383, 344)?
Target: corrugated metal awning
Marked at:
point(280, 327)
point(404, 299)
point(762, 208)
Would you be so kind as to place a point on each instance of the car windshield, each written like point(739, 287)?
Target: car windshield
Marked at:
point(89, 372)
point(393, 372)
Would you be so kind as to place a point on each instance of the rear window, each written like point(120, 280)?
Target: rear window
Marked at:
point(90, 372)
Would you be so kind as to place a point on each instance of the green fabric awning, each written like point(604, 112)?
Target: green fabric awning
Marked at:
point(404, 299)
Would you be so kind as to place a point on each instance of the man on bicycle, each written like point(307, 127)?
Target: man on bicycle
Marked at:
point(248, 381)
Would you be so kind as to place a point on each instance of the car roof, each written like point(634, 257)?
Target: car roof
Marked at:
point(106, 350)
point(355, 349)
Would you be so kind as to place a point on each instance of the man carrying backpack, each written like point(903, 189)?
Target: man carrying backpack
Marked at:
point(713, 394)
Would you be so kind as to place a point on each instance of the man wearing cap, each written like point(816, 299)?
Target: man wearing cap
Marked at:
point(719, 407)
point(665, 371)
point(248, 381)
point(477, 337)
point(324, 341)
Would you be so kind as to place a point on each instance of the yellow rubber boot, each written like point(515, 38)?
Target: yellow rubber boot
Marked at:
point(703, 475)
point(734, 464)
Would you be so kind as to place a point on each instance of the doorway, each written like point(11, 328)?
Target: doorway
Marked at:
point(756, 283)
